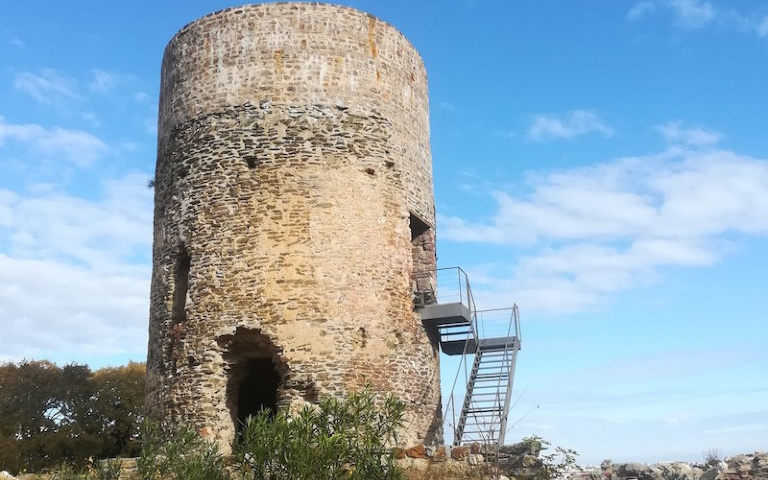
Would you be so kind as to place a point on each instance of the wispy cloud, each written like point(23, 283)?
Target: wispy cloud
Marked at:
point(688, 14)
point(51, 224)
point(567, 126)
point(85, 259)
point(674, 133)
point(762, 27)
point(601, 229)
point(692, 13)
point(696, 14)
point(47, 87)
point(150, 125)
point(17, 42)
point(640, 11)
point(102, 81)
point(76, 146)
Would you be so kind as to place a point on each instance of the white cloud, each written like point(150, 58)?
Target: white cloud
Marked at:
point(674, 133)
point(150, 126)
point(50, 309)
point(689, 14)
point(141, 97)
point(568, 126)
point(76, 146)
point(74, 275)
point(17, 42)
point(48, 87)
point(695, 14)
point(52, 224)
point(595, 230)
point(640, 10)
point(102, 81)
point(692, 13)
point(762, 27)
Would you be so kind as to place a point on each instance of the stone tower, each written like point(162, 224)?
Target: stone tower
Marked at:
point(293, 204)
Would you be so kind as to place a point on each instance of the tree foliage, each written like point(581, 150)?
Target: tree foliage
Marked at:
point(51, 414)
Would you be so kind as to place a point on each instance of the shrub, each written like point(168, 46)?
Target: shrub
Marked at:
point(345, 439)
point(553, 464)
point(184, 456)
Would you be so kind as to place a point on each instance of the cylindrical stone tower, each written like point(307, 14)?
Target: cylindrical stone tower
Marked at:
point(293, 204)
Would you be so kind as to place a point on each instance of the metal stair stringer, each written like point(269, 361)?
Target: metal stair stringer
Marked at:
point(492, 337)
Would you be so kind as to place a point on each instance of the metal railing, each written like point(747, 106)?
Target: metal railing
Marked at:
point(495, 323)
point(444, 285)
point(451, 285)
point(498, 323)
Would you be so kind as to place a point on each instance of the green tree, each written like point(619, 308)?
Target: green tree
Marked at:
point(117, 408)
point(38, 401)
point(51, 414)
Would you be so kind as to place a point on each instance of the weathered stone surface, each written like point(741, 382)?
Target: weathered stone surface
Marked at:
point(745, 467)
point(510, 465)
point(417, 451)
point(459, 453)
point(739, 467)
point(440, 454)
point(640, 471)
point(293, 205)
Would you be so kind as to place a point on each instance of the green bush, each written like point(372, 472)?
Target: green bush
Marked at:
point(553, 464)
point(345, 439)
point(184, 456)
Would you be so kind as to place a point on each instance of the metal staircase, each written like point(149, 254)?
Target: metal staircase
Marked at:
point(489, 340)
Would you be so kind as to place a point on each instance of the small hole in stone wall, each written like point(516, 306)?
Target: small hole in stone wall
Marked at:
point(370, 171)
point(389, 163)
point(251, 161)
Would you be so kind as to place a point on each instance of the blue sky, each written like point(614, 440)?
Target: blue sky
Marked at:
point(602, 163)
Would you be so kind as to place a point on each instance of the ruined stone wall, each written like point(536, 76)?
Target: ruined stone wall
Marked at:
point(293, 156)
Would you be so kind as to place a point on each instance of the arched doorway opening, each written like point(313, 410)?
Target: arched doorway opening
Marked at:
point(258, 390)
point(255, 375)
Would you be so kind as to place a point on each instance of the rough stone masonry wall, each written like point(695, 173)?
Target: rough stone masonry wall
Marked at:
point(293, 150)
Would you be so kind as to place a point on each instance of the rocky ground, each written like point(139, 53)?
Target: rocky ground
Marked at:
point(751, 466)
point(520, 463)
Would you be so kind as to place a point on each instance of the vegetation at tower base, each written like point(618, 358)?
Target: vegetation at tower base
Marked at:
point(340, 439)
point(552, 464)
point(51, 414)
point(184, 456)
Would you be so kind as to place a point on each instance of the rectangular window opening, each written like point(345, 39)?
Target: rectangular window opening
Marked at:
point(424, 262)
point(180, 286)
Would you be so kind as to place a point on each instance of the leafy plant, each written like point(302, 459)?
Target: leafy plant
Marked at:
point(553, 464)
point(66, 472)
point(712, 457)
point(185, 455)
point(109, 469)
point(340, 439)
